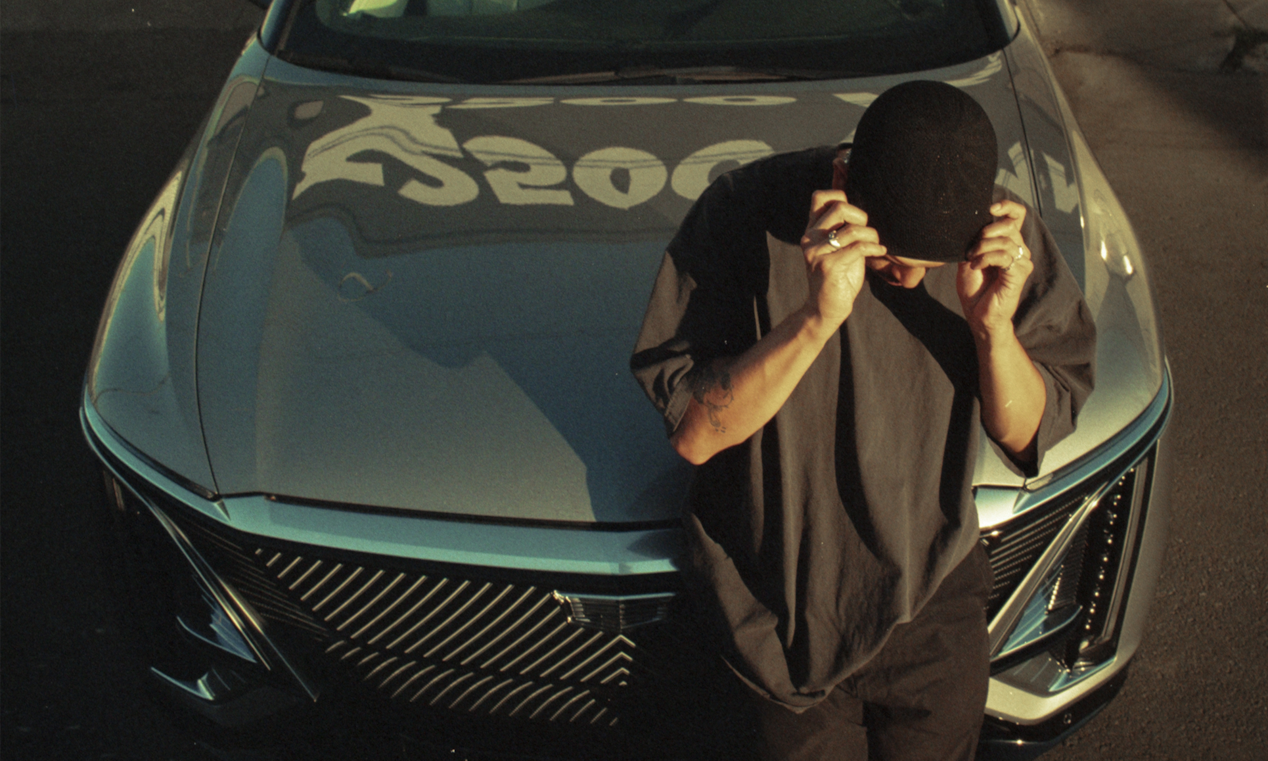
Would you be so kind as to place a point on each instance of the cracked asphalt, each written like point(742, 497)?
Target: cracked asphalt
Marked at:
point(98, 98)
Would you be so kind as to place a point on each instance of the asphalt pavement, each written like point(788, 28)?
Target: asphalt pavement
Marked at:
point(1173, 99)
point(97, 101)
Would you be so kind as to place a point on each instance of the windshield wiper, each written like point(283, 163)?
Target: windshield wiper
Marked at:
point(635, 75)
point(364, 67)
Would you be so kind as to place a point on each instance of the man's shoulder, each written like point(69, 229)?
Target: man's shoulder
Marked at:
point(771, 194)
point(809, 167)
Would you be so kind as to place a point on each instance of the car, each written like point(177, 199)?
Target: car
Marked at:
point(360, 390)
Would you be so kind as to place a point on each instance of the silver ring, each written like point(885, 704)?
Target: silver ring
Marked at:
point(832, 238)
point(1020, 253)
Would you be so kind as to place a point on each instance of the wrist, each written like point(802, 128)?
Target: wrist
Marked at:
point(992, 336)
point(816, 326)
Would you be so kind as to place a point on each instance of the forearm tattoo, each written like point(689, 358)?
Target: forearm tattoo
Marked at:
point(712, 389)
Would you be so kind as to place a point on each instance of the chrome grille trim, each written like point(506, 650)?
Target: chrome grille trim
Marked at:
point(1085, 547)
point(1016, 546)
point(1078, 487)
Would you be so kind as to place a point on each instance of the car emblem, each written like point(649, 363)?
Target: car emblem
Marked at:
point(616, 613)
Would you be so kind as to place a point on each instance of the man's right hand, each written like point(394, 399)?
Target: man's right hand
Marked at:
point(735, 396)
point(835, 244)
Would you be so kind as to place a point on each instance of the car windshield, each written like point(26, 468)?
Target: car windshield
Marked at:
point(636, 41)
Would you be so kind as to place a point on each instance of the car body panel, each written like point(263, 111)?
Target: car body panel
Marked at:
point(321, 359)
point(141, 376)
point(409, 289)
point(1099, 245)
point(391, 321)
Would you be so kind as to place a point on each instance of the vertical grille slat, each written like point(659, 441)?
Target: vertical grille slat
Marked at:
point(400, 599)
point(356, 572)
point(1014, 547)
point(304, 576)
point(316, 587)
point(373, 600)
point(523, 638)
point(436, 589)
point(455, 616)
point(436, 611)
point(409, 682)
point(506, 632)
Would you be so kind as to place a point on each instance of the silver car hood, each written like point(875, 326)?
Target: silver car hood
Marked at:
point(425, 297)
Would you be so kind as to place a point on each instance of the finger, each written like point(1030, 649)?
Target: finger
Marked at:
point(830, 209)
point(1003, 228)
point(1009, 216)
point(1008, 244)
point(862, 249)
point(1009, 210)
point(1001, 258)
point(986, 259)
point(819, 241)
point(821, 199)
point(969, 282)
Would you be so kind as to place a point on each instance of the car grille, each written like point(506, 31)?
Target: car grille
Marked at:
point(443, 638)
point(1015, 547)
point(430, 637)
point(1093, 564)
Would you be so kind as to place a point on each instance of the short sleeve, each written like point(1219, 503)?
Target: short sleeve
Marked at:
point(709, 298)
point(1056, 328)
point(701, 306)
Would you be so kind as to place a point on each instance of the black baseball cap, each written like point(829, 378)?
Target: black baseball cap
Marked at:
point(922, 165)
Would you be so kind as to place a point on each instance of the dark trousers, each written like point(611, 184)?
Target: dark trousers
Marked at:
point(921, 697)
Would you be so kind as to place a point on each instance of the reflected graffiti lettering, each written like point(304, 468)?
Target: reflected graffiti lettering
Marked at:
point(517, 171)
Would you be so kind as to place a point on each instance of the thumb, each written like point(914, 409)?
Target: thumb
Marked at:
point(969, 282)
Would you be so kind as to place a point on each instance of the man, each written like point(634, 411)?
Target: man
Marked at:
point(828, 379)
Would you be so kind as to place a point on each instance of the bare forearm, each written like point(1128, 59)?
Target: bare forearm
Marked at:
point(735, 396)
point(1013, 394)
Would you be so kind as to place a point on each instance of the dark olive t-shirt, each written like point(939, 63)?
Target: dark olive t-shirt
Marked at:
point(839, 518)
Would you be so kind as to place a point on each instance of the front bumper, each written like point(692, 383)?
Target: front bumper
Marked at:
point(1064, 639)
point(273, 609)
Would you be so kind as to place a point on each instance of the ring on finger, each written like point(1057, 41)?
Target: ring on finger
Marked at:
point(1020, 253)
point(832, 238)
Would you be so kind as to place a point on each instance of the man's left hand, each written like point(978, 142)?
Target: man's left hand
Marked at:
point(990, 280)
